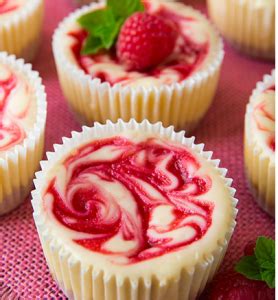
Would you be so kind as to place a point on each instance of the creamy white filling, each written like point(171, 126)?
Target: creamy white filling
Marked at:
point(17, 105)
point(162, 214)
point(263, 120)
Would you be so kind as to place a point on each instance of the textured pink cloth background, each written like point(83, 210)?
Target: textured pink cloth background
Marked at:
point(22, 264)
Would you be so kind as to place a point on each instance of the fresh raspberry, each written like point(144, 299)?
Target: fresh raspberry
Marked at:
point(234, 286)
point(250, 248)
point(145, 41)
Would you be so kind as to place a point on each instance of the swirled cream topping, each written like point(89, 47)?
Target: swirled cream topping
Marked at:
point(135, 197)
point(264, 118)
point(8, 7)
point(195, 45)
point(17, 108)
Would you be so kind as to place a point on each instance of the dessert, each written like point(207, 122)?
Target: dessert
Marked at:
point(260, 143)
point(134, 211)
point(20, 27)
point(177, 89)
point(22, 122)
point(248, 24)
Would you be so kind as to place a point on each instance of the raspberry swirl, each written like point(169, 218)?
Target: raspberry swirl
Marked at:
point(264, 115)
point(191, 49)
point(14, 104)
point(7, 6)
point(133, 200)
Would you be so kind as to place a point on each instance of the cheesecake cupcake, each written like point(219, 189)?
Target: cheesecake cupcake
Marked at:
point(249, 25)
point(132, 211)
point(22, 123)
point(259, 142)
point(161, 62)
point(20, 27)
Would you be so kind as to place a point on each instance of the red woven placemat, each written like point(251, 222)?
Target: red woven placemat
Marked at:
point(22, 264)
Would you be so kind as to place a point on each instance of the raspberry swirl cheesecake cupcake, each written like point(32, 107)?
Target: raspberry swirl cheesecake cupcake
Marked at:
point(248, 24)
point(260, 142)
point(161, 63)
point(22, 123)
point(20, 27)
point(132, 211)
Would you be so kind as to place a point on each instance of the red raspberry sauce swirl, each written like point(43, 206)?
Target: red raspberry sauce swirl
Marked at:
point(158, 210)
point(7, 6)
point(188, 55)
point(11, 132)
point(269, 116)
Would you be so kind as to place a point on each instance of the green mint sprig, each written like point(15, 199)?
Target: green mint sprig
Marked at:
point(261, 265)
point(103, 25)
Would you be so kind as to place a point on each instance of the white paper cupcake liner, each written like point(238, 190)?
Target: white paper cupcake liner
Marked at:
point(260, 166)
point(83, 280)
point(180, 104)
point(20, 34)
point(249, 25)
point(18, 165)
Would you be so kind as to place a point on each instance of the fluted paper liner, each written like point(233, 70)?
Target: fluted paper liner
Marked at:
point(19, 164)
point(249, 25)
point(260, 167)
point(83, 280)
point(20, 34)
point(180, 104)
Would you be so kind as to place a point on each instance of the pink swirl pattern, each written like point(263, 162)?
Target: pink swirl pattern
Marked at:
point(11, 132)
point(265, 119)
point(133, 200)
point(187, 56)
point(7, 6)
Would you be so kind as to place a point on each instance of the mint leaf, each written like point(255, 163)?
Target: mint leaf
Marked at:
point(261, 265)
point(108, 34)
point(96, 19)
point(269, 277)
point(125, 8)
point(103, 25)
point(265, 255)
point(249, 267)
point(92, 45)
point(265, 250)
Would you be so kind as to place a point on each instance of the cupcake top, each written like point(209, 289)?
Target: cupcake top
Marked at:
point(196, 44)
point(17, 107)
point(262, 120)
point(130, 200)
point(9, 7)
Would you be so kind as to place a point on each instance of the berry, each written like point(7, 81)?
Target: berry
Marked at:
point(234, 286)
point(250, 248)
point(145, 41)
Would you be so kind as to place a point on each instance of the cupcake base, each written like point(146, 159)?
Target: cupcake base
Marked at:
point(82, 283)
point(19, 172)
point(13, 201)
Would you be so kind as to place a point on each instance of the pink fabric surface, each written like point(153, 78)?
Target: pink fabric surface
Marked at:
point(22, 264)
